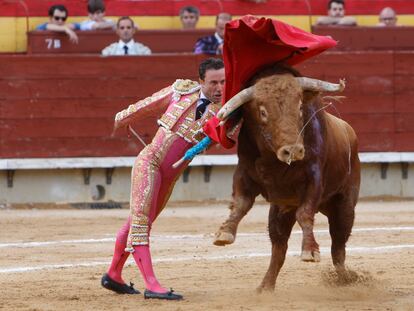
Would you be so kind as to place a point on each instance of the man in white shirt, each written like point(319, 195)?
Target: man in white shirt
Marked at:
point(126, 45)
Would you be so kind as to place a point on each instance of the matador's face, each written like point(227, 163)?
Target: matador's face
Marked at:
point(213, 84)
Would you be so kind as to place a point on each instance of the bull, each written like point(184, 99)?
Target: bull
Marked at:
point(300, 158)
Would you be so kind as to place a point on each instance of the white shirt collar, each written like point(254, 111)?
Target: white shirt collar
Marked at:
point(219, 39)
point(129, 44)
point(202, 96)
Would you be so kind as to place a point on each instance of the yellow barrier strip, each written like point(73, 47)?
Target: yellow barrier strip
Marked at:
point(13, 29)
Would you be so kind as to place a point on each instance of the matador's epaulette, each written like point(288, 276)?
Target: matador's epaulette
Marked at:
point(184, 87)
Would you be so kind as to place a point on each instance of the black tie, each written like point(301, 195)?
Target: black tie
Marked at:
point(126, 50)
point(202, 107)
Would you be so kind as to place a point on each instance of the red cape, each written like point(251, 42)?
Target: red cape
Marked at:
point(251, 43)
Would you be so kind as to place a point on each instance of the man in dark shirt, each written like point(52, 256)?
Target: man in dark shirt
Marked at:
point(57, 22)
point(336, 15)
point(213, 45)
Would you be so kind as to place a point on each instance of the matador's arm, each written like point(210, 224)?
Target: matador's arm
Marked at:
point(154, 105)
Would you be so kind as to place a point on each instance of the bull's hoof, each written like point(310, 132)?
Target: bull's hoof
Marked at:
point(223, 238)
point(310, 256)
point(262, 289)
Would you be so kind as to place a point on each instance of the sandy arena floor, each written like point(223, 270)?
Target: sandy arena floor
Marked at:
point(54, 259)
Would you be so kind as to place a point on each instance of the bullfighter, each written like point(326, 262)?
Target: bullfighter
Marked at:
point(187, 105)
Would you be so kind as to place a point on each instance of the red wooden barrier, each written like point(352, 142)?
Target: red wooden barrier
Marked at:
point(159, 41)
point(63, 106)
point(182, 41)
point(369, 38)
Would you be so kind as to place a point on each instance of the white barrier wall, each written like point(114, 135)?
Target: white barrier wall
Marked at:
point(201, 182)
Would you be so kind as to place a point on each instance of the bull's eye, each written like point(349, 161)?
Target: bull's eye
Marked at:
point(263, 113)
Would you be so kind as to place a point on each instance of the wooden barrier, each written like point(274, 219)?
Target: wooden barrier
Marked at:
point(159, 41)
point(369, 38)
point(182, 41)
point(63, 105)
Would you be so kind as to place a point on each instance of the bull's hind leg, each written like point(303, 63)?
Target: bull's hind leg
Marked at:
point(341, 219)
point(281, 222)
point(244, 194)
point(305, 216)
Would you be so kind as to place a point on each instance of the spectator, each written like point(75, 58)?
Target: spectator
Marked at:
point(189, 16)
point(387, 17)
point(213, 44)
point(57, 22)
point(336, 15)
point(96, 10)
point(126, 45)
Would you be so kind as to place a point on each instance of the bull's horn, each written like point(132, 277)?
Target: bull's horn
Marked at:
point(319, 85)
point(235, 102)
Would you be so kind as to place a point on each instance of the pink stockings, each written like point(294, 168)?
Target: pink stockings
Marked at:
point(142, 257)
point(120, 255)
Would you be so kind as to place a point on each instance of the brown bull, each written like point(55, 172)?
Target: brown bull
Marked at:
point(300, 158)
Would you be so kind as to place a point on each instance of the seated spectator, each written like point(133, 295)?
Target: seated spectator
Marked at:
point(96, 10)
point(189, 16)
point(213, 45)
point(387, 17)
point(57, 22)
point(336, 15)
point(126, 45)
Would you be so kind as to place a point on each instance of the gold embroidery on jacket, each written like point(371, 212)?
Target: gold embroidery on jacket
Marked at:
point(141, 104)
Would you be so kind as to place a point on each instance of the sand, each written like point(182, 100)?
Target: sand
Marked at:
point(53, 259)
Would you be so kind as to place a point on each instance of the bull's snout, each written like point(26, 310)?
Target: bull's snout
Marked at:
point(290, 153)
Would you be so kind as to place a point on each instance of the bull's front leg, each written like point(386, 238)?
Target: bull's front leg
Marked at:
point(244, 194)
point(305, 216)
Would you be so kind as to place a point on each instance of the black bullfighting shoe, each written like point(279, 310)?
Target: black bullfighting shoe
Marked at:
point(167, 296)
point(119, 288)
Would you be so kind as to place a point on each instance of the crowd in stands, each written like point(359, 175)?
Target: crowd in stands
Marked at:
point(189, 16)
point(336, 16)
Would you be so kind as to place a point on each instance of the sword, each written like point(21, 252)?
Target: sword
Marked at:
point(130, 129)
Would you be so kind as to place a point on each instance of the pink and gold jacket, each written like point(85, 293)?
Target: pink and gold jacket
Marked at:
point(179, 101)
